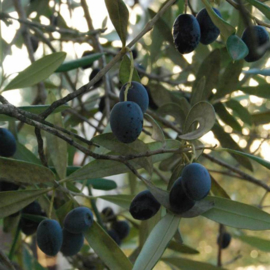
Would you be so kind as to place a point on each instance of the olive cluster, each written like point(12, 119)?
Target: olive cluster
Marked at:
point(193, 185)
point(51, 238)
point(188, 31)
point(119, 229)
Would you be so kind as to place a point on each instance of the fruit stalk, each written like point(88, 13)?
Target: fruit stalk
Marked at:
point(131, 72)
point(12, 250)
point(51, 204)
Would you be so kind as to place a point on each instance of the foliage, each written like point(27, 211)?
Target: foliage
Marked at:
point(70, 135)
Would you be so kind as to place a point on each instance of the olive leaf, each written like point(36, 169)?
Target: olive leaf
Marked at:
point(226, 117)
point(174, 110)
point(202, 113)
point(261, 161)
point(217, 189)
point(265, 9)
point(187, 264)
point(57, 148)
point(199, 208)
point(227, 141)
point(236, 214)
point(124, 71)
point(229, 80)
point(37, 72)
point(106, 248)
point(198, 91)
point(241, 111)
point(120, 199)
point(119, 16)
point(13, 201)
point(157, 133)
point(209, 69)
point(259, 243)
point(182, 248)
point(24, 172)
point(74, 64)
point(157, 242)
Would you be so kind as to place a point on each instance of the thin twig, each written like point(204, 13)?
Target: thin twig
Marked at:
point(51, 28)
point(245, 176)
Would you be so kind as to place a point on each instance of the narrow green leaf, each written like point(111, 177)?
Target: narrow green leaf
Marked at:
point(121, 200)
point(156, 45)
point(38, 71)
point(229, 80)
point(119, 16)
point(261, 161)
point(261, 118)
point(186, 264)
point(217, 189)
point(202, 113)
point(199, 208)
point(256, 71)
point(146, 227)
point(163, 28)
point(13, 201)
point(175, 56)
point(157, 242)
point(24, 172)
point(226, 29)
point(174, 110)
point(198, 91)
point(22, 153)
point(209, 69)
point(125, 69)
point(35, 218)
point(265, 9)
point(109, 167)
point(259, 243)
point(70, 169)
point(74, 64)
point(170, 163)
point(157, 133)
point(227, 142)
point(226, 117)
point(240, 110)
point(106, 248)
point(236, 214)
point(236, 47)
point(57, 148)
point(109, 141)
point(182, 248)
point(159, 93)
point(11, 222)
point(101, 184)
point(262, 90)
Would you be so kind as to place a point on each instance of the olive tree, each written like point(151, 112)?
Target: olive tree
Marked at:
point(171, 97)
